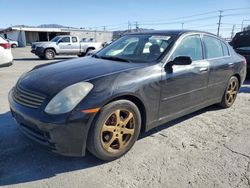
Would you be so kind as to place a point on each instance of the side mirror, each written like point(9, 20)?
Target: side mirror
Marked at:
point(180, 60)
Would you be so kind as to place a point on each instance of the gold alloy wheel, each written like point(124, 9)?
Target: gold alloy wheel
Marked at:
point(231, 92)
point(117, 131)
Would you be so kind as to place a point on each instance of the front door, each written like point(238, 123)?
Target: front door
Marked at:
point(185, 88)
point(65, 45)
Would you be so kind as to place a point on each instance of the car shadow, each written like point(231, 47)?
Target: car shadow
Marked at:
point(179, 120)
point(22, 160)
point(245, 88)
point(35, 59)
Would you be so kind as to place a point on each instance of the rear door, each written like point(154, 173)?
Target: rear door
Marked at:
point(186, 87)
point(221, 64)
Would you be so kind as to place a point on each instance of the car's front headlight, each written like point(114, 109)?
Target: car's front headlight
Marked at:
point(68, 98)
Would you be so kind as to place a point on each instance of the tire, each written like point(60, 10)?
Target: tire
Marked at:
point(49, 54)
point(89, 50)
point(13, 46)
point(110, 138)
point(81, 54)
point(230, 93)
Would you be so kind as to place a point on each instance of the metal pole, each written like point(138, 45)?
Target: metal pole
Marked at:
point(242, 25)
point(219, 24)
point(129, 26)
point(182, 26)
point(136, 26)
point(232, 34)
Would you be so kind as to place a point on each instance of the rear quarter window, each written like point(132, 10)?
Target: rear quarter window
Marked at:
point(213, 47)
point(225, 49)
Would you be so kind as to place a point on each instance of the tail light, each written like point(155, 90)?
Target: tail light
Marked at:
point(5, 45)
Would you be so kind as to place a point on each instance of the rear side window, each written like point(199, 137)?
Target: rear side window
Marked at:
point(74, 39)
point(225, 49)
point(213, 47)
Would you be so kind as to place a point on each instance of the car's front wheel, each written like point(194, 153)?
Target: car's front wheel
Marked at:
point(49, 54)
point(115, 131)
point(230, 93)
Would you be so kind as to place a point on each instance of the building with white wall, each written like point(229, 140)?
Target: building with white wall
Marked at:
point(26, 35)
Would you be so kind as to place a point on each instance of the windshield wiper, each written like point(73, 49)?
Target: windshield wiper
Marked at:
point(115, 58)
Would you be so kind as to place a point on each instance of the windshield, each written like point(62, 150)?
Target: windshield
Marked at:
point(55, 39)
point(139, 48)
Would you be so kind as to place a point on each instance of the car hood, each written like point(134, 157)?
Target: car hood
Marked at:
point(52, 78)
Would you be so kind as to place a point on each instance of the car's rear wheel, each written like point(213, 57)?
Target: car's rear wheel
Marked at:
point(81, 54)
point(49, 54)
point(13, 46)
point(230, 93)
point(115, 131)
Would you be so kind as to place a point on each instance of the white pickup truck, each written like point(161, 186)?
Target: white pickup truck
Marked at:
point(63, 45)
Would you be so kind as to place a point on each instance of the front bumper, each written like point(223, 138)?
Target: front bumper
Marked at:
point(66, 136)
point(39, 51)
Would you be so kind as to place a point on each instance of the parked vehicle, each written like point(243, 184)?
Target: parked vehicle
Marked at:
point(6, 58)
point(63, 45)
point(241, 44)
point(104, 102)
point(13, 43)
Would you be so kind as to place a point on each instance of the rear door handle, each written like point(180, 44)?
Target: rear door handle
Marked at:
point(203, 69)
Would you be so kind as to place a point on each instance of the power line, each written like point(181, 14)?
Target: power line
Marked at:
point(183, 18)
point(184, 21)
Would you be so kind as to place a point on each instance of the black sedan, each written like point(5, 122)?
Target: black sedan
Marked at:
point(142, 80)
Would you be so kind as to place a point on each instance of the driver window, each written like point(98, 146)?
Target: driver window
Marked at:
point(65, 40)
point(190, 46)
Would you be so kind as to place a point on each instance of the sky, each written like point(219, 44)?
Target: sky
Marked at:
point(115, 14)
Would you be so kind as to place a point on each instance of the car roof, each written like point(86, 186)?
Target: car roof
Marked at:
point(169, 32)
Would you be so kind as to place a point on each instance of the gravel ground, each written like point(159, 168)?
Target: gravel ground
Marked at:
point(209, 148)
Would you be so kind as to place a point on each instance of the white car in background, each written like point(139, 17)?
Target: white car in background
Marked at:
point(13, 43)
point(6, 58)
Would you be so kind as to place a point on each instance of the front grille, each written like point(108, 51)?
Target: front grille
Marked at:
point(27, 98)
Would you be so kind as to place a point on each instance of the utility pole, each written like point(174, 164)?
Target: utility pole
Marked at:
point(129, 26)
point(232, 33)
point(182, 26)
point(242, 24)
point(136, 26)
point(219, 24)
point(104, 28)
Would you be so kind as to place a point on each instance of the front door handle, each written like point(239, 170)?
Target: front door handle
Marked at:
point(203, 69)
